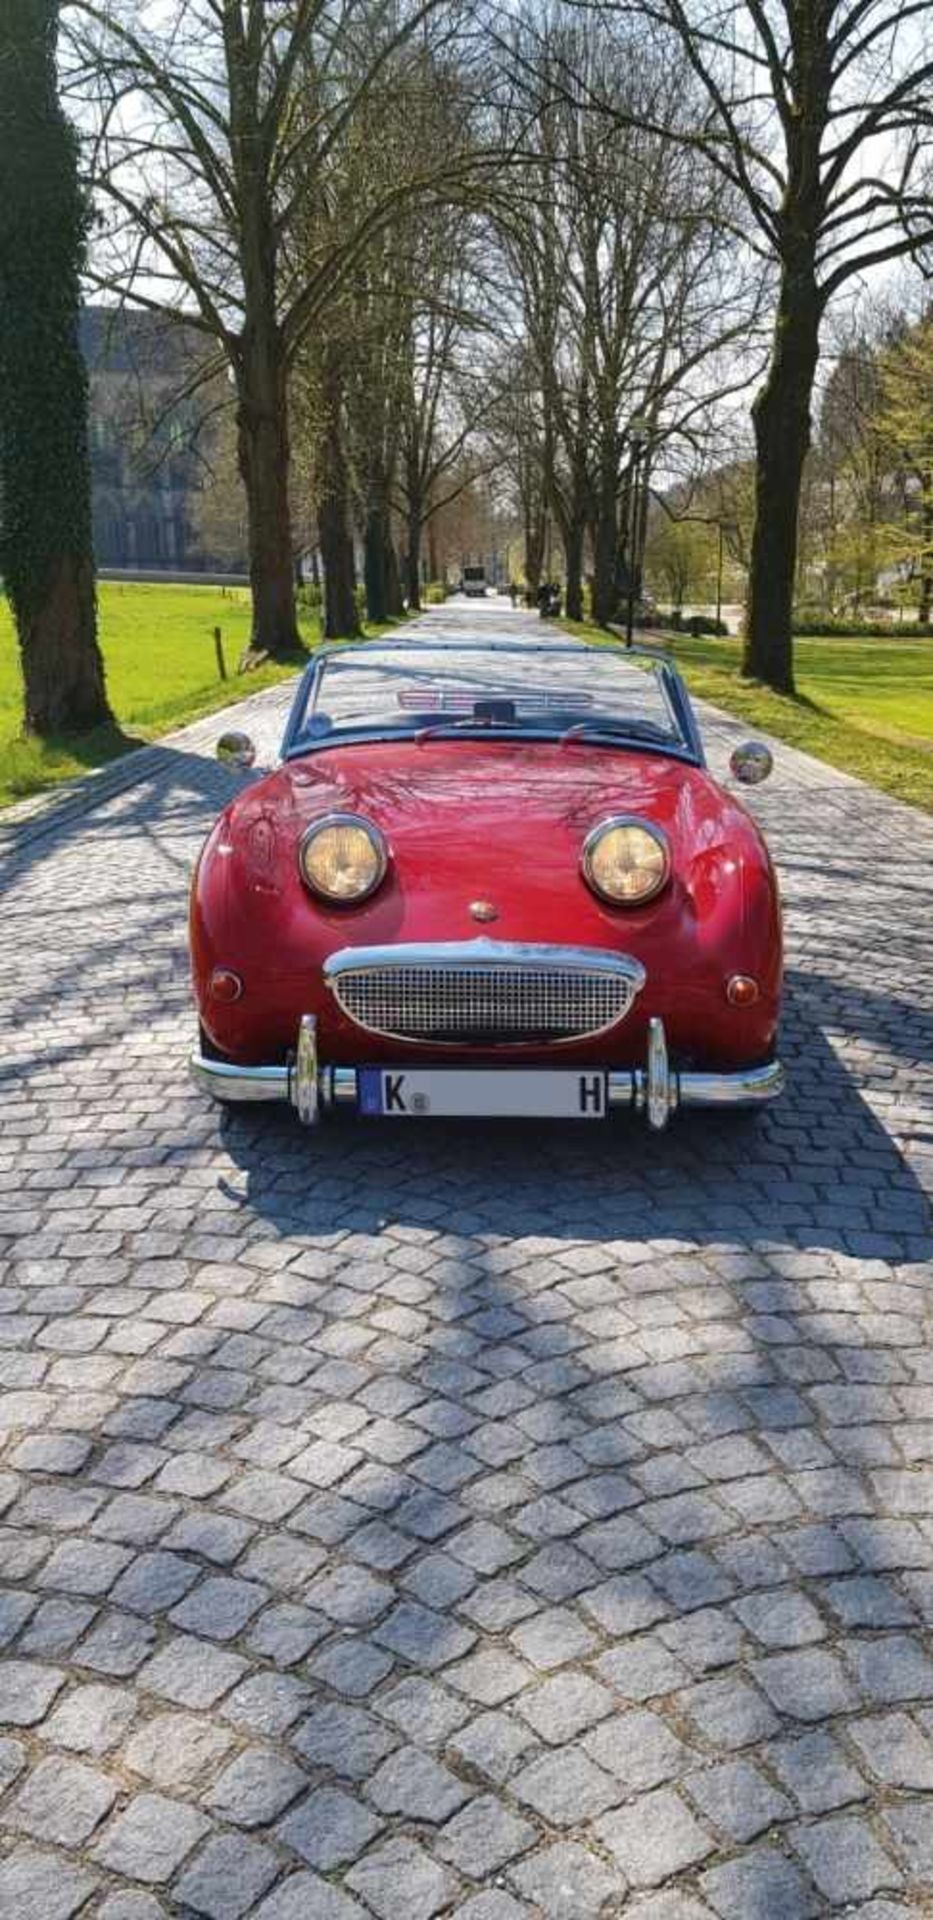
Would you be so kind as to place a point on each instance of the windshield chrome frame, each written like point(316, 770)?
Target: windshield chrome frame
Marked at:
point(689, 749)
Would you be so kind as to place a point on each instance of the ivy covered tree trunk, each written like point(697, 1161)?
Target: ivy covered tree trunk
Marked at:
point(46, 547)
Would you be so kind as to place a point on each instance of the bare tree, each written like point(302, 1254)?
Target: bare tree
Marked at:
point(319, 414)
point(817, 113)
point(214, 121)
point(450, 377)
point(379, 304)
point(400, 300)
point(630, 284)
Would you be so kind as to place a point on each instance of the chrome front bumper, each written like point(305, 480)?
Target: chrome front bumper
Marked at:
point(657, 1089)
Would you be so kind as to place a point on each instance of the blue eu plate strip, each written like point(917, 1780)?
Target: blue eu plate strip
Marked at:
point(369, 1089)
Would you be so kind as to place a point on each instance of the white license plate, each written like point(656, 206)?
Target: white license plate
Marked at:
point(567, 1093)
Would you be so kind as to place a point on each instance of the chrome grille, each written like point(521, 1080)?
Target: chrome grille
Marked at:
point(484, 1000)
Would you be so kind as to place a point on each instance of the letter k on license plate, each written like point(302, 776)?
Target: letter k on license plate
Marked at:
point(568, 1093)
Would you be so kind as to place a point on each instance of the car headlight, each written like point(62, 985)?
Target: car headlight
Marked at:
point(626, 861)
point(342, 857)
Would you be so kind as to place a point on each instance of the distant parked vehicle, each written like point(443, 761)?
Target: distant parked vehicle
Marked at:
point(474, 581)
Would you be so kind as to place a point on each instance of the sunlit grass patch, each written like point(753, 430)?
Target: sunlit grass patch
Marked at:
point(161, 664)
point(865, 706)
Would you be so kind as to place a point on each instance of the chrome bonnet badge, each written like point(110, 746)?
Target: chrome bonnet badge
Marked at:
point(483, 910)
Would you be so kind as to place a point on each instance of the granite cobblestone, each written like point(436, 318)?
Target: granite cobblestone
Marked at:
point(492, 1521)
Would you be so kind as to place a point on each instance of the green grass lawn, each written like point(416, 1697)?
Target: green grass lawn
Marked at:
point(863, 705)
point(158, 649)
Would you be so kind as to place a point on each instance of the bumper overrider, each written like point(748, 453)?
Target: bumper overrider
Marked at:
point(313, 1089)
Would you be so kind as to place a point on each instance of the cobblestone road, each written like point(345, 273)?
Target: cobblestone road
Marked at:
point(500, 1521)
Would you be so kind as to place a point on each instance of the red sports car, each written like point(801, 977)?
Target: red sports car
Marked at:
point(488, 878)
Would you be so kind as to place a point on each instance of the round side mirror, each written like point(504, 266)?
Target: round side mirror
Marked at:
point(751, 763)
point(236, 750)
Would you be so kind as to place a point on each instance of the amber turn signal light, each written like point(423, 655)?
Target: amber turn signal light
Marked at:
point(225, 985)
point(741, 990)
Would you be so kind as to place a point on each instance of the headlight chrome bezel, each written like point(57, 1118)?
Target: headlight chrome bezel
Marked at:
point(594, 839)
point(376, 840)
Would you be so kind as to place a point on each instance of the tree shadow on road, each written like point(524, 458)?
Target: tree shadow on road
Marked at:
point(490, 1372)
point(728, 1327)
point(817, 1170)
point(152, 786)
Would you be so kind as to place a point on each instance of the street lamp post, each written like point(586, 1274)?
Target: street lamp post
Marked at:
point(639, 428)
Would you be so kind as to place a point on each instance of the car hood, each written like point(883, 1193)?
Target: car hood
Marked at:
point(497, 822)
point(474, 794)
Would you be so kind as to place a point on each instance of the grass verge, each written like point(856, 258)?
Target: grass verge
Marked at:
point(865, 706)
point(159, 654)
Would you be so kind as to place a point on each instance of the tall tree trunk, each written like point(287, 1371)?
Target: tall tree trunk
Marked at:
point(374, 566)
point(573, 534)
point(380, 561)
point(416, 504)
point(535, 535)
point(264, 454)
point(395, 601)
point(46, 553)
point(624, 564)
point(341, 620)
point(413, 557)
point(63, 673)
point(781, 417)
point(605, 602)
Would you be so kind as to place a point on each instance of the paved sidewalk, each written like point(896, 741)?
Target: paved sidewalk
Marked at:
point(491, 1520)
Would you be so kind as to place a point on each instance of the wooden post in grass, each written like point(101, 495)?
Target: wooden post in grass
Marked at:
point(219, 650)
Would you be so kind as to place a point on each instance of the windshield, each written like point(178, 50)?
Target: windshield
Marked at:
point(425, 690)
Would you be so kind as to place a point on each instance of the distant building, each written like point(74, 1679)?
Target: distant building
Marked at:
point(150, 446)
